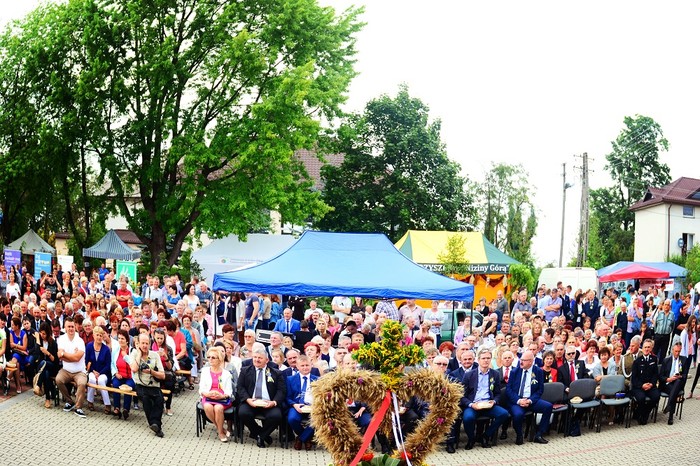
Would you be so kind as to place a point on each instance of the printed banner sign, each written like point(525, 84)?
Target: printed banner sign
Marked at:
point(42, 262)
point(12, 257)
point(494, 269)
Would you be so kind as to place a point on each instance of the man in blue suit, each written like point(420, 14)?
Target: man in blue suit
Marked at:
point(286, 324)
point(482, 394)
point(524, 390)
point(299, 396)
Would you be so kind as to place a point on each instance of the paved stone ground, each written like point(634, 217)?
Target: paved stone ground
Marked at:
point(57, 438)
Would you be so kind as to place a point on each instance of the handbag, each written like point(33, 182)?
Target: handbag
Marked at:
point(225, 401)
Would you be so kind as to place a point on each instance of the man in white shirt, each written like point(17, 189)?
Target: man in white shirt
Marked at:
point(341, 306)
point(153, 292)
point(71, 350)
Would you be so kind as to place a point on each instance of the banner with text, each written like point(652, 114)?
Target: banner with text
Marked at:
point(473, 268)
point(12, 257)
point(42, 263)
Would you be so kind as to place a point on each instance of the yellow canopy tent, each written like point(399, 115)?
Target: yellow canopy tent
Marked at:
point(488, 266)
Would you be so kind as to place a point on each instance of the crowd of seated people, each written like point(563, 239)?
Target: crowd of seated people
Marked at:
point(74, 332)
point(503, 370)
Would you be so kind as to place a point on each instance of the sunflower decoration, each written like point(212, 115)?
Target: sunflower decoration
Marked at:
point(390, 356)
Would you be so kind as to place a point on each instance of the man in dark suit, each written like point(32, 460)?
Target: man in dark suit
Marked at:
point(262, 391)
point(567, 373)
point(36, 319)
point(298, 396)
point(457, 375)
point(524, 390)
point(505, 372)
point(249, 361)
point(572, 369)
point(645, 375)
point(455, 361)
point(466, 364)
point(303, 336)
point(292, 358)
point(287, 324)
point(482, 394)
point(674, 374)
point(591, 308)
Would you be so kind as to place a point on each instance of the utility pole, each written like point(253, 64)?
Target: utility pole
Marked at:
point(584, 225)
point(565, 186)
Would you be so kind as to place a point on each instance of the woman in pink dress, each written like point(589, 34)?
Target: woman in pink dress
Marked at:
point(216, 389)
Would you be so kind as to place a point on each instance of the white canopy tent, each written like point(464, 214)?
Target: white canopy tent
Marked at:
point(230, 253)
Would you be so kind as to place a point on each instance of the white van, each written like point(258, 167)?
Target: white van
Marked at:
point(585, 278)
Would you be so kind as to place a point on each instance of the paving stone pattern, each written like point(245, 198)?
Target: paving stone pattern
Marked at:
point(53, 437)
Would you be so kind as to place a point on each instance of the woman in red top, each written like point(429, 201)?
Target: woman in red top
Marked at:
point(122, 374)
point(183, 360)
point(550, 372)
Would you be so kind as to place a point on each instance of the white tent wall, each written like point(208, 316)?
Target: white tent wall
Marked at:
point(229, 253)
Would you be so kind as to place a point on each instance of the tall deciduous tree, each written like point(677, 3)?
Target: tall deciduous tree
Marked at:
point(396, 175)
point(634, 165)
point(505, 197)
point(44, 127)
point(192, 109)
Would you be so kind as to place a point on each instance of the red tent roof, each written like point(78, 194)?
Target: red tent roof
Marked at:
point(634, 271)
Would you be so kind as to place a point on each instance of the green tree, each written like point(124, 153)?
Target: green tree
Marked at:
point(505, 195)
point(634, 165)
point(692, 263)
point(521, 275)
point(597, 256)
point(454, 257)
point(396, 175)
point(519, 237)
point(193, 109)
point(26, 178)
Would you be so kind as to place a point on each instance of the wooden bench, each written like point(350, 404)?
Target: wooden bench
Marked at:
point(120, 391)
point(183, 373)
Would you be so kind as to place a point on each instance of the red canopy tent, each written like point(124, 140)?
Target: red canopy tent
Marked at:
point(634, 271)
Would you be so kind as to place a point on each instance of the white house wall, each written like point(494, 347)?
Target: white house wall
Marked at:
point(655, 238)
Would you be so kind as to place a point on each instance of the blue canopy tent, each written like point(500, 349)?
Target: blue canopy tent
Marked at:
point(344, 264)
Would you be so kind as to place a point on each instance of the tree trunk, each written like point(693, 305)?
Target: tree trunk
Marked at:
point(86, 200)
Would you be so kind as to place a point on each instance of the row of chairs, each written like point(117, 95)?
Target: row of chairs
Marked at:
point(231, 414)
point(612, 395)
